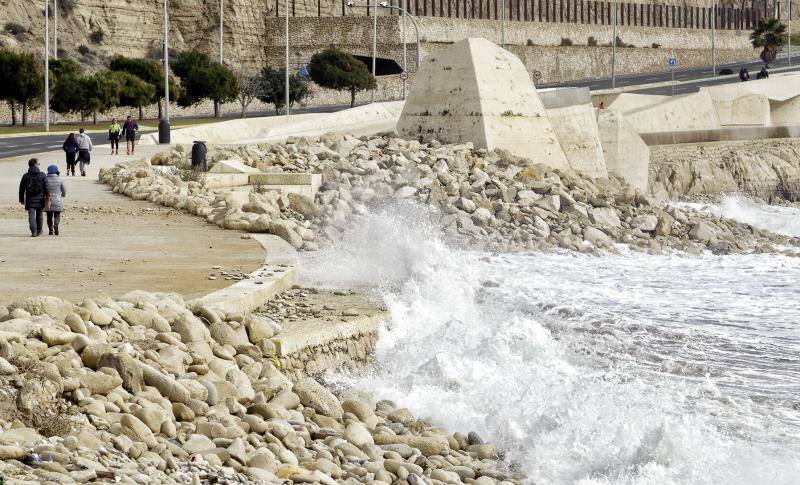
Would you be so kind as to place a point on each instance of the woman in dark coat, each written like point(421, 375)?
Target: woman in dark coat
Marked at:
point(32, 194)
point(70, 147)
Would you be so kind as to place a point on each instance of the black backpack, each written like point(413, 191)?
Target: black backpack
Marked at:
point(35, 185)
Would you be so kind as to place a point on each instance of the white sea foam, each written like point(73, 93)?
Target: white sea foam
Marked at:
point(629, 369)
point(775, 218)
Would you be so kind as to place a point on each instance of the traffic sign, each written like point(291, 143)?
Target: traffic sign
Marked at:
point(672, 61)
point(304, 71)
point(537, 75)
point(404, 75)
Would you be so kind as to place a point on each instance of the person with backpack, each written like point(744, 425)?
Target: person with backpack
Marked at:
point(129, 130)
point(54, 203)
point(84, 149)
point(113, 136)
point(33, 195)
point(70, 147)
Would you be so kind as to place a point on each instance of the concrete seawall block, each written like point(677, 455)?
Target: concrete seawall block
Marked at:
point(625, 153)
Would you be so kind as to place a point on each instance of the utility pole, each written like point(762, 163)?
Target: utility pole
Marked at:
point(46, 65)
point(614, 51)
point(789, 47)
point(286, 100)
point(221, 30)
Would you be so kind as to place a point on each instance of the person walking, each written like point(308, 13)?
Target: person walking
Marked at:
point(32, 194)
point(84, 150)
point(70, 148)
point(763, 73)
point(54, 203)
point(744, 75)
point(129, 130)
point(114, 132)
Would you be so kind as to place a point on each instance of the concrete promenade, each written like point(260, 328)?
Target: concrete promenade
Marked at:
point(110, 244)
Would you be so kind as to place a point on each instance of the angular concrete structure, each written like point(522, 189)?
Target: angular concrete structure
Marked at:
point(680, 113)
point(625, 153)
point(785, 113)
point(737, 105)
point(474, 91)
point(576, 129)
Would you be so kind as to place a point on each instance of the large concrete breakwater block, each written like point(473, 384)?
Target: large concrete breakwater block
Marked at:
point(475, 91)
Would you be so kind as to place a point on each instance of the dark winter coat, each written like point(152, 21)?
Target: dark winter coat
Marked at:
point(33, 200)
point(129, 130)
point(70, 147)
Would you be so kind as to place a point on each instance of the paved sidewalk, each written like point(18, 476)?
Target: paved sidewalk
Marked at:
point(111, 244)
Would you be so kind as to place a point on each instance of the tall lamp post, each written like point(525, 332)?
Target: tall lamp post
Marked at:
point(55, 29)
point(416, 30)
point(286, 87)
point(46, 65)
point(789, 47)
point(714, 37)
point(163, 125)
point(352, 4)
point(221, 21)
point(614, 50)
point(503, 26)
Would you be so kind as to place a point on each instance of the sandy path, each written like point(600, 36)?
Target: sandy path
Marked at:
point(111, 244)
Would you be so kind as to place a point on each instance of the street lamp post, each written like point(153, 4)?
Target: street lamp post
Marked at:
point(789, 47)
point(416, 31)
point(55, 29)
point(46, 65)
point(614, 50)
point(163, 124)
point(286, 80)
point(374, 47)
point(503, 26)
point(714, 37)
point(221, 22)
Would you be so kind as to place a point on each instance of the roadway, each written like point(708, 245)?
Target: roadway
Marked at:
point(683, 75)
point(15, 146)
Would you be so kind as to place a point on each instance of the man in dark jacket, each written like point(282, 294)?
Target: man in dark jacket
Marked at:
point(32, 194)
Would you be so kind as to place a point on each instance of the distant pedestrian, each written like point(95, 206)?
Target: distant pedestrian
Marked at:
point(744, 75)
point(762, 74)
point(70, 147)
point(114, 132)
point(84, 150)
point(602, 105)
point(32, 194)
point(129, 130)
point(54, 204)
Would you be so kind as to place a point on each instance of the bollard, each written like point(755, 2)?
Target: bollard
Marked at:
point(199, 156)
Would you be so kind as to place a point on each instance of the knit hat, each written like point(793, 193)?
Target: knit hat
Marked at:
point(52, 169)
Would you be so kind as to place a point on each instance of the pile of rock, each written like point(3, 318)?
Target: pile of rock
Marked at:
point(488, 199)
point(147, 389)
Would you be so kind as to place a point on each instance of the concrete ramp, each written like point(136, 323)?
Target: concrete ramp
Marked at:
point(785, 113)
point(680, 113)
point(625, 102)
point(737, 105)
point(475, 91)
point(625, 153)
point(576, 129)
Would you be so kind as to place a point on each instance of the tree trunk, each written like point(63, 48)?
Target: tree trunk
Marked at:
point(94, 117)
point(13, 113)
point(216, 109)
point(83, 117)
point(24, 113)
point(141, 112)
point(352, 97)
point(244, 111)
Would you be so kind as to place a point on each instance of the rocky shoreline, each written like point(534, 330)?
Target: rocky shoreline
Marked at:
point(488, 200)
point(149, 389)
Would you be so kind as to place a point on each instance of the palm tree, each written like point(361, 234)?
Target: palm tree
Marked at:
point(770, 35)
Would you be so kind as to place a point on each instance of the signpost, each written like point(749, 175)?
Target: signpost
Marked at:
point(672, 61)
point(537, 75)
point(403, 75)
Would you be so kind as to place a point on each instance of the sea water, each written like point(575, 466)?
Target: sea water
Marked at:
point(623, 369)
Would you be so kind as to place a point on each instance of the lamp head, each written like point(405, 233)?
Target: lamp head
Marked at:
point(384, 4)
point(351, 3)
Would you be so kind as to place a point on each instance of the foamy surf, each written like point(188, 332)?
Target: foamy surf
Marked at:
point(622, 369)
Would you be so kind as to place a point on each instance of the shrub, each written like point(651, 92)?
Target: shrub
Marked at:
point(591, 41)
point(84, 50)
point(566, 41)
point(273, 88)
point(335, 69)
point(66, 5)
point(188, 174)
point(15, 28)
point(725, 72)
point(97, 36)
point(529, 43)
point(655, 46)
